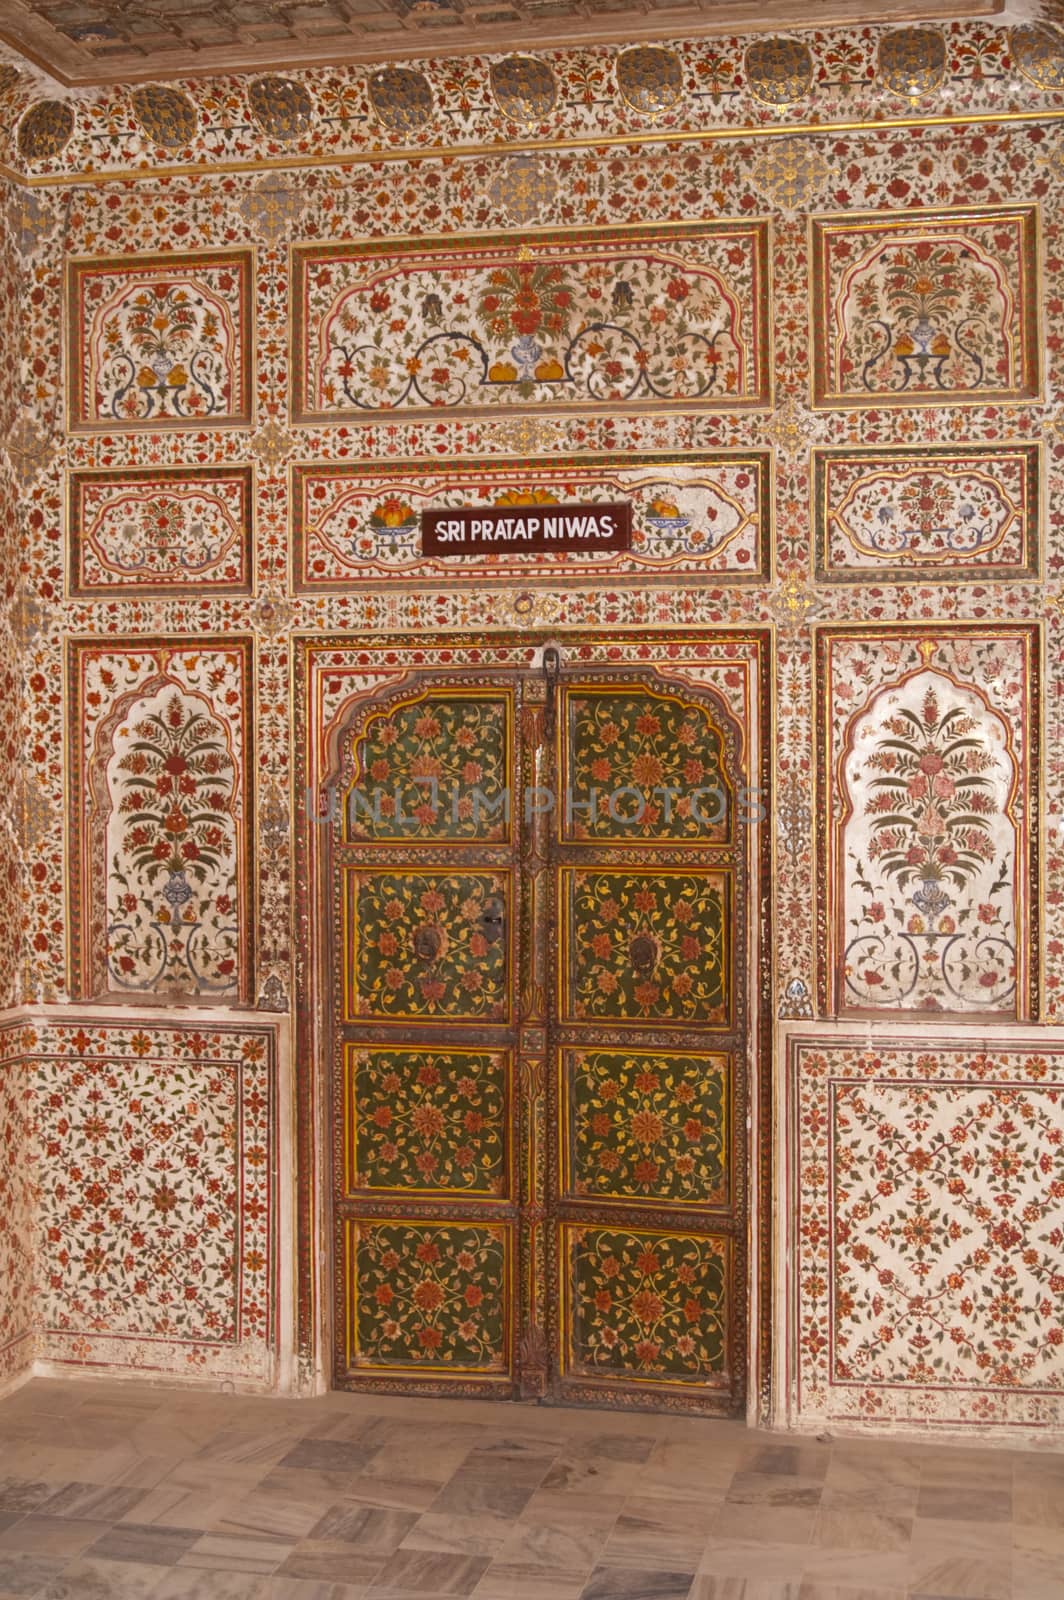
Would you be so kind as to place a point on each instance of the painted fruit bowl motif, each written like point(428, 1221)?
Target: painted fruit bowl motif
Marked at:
point(393, 516)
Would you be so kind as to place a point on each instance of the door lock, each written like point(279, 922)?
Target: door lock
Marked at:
point(493, 919)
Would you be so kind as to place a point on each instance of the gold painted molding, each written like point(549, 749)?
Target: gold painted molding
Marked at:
point(650, 136)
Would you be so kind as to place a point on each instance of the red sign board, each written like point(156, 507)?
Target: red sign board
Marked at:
point(529, 530)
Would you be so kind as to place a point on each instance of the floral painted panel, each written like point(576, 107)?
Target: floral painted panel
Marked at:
point(155, 530)
point(157, 1211)
point(172, 841)
point(596, 319)
point(928, 1231)
point(159, 829)
point(642, 766)
point(429, 1296)
point(646, 1126)
point(646, 1305)
point(699, 514)
point(160, 341)
point(930, 853)
point(426, 1120)
point(940, 512)
point(932, 838)
point(430, 945)
point(18, 1204)
point(641, 947)
point(925, 309)
point(436, 769)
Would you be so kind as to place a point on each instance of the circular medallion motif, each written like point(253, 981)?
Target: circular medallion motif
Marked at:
point(912, 61)
point(650, 79)
point(401, 98)
point(1038, 50)
point(525, 89)
point(167, 116)
point(779, 70)
point(9, 76)
point(45, 130)
point(281, 107)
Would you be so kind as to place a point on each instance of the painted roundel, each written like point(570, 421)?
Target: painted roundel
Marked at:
point(401, 98)
point(779, 70)
point(45, 130)
point(9, 76)
point(525, 89)
point(1038, 50)
point(650, 79)
point(167, 116)
point(912, 61)
point(281, 107)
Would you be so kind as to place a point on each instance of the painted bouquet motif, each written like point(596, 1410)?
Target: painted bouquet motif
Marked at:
point(929, 811)
point(933, 929)
point(601, 323)
point(932, 315)
point(163, 351)
point(172, 885)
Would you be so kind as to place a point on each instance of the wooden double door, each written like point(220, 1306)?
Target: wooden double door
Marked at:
point(539, 1041)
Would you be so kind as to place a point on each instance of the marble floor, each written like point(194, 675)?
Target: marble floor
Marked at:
point(111, 1491)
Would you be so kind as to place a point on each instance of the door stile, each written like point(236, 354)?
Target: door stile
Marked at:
point(426, 1250)
point(663, 1233)
point(534, 1002)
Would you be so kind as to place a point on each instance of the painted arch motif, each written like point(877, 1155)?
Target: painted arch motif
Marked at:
point(925, 310)
point(929, 852)
point(172, 850)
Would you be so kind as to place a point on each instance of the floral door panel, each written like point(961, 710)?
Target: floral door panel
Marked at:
point(427, 945)
point(648, 1309)
point(425, 1149)
point(427, 1121)
point(640, 766)
point(646, 1124)
point(645, 947)
point(436, 771)
point(649, 1058)
point(637, 317)
point(428, 1299)
point(926, 308)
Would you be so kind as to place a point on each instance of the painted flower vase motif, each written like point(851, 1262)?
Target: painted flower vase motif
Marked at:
point(932, 918)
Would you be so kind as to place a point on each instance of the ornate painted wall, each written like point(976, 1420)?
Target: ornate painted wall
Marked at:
point(806, 310)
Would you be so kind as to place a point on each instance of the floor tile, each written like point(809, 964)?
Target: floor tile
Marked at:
point(517, 1581)
point(27, 1574)
point(155, 1544)
point(327, 1455)
point(330, 1563)
point(99, 1502)
point(369, 1528)
point(631, 1583)
point(188, 1583)
point(480, 1535)
point(22, 1494)
point(962, 1503)
point(90, 1579)
point(237, 1552)
point(41, 1535)
point(429, 1572)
